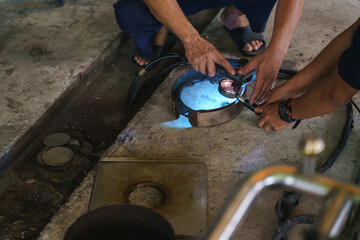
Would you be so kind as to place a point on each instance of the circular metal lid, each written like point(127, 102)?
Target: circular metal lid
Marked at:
point(56, 139)
point(58, 156)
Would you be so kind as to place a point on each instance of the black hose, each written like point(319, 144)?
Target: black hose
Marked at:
point(282, 229)
point(287, 73)
point(343, 139)
point(356, 106)
point(136, 83)
point(290, 200)
point(167, 69)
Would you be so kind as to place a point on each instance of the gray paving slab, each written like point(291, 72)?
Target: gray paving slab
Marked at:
point(236, 149)
point(44, 51)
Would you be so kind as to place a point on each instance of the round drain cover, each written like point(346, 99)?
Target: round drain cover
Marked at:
point(58, 156)
point(56, 139)
point(147, 194)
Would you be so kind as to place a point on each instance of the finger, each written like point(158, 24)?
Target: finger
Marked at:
point(257, 89)
point(261, 122)
point(265, 93)
point(202, 67)
point(247, 68)
point(195, 66)
point(263, 97)
point(259, 109)
point(223, 62)
point(211, 69)
point(267, 127)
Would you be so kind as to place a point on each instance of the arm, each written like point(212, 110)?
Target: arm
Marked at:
point(267, 64)
point(201, 54)
point(319, 68)
point(318, 88)
point(323, 97)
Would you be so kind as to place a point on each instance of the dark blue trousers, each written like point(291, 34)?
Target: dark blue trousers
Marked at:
point(349, 63)
point(134, 17)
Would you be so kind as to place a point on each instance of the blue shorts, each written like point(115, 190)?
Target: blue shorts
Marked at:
point(134, 17)
point(349, 63)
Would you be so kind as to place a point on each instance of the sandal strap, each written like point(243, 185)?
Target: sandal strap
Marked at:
point(245, 35)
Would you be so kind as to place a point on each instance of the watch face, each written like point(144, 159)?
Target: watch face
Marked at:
point(285, 111)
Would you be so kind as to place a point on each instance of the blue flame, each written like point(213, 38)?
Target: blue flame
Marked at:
point(181, 123)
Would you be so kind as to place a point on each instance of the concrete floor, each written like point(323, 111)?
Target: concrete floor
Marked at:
point(228, 155)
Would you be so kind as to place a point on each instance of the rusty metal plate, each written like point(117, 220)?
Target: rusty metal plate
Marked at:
point(183, 183)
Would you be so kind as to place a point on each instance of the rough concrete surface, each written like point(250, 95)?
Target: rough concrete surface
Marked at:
point(236, 149)
point(44, 50)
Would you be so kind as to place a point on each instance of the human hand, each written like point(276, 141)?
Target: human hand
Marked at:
point(277, 94)
point(266, 65)
point(202, 56)
point(269, 118)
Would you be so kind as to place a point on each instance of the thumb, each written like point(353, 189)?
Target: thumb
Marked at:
point(259, 109)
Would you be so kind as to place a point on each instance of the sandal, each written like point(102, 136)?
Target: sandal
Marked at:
point(244, 35)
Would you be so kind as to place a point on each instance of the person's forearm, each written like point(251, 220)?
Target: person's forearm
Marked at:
point(323, 96)
point(169, 13)
point(323, 64)
point(287, 17)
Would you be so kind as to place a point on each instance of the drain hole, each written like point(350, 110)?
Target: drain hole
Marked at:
point(146, 194)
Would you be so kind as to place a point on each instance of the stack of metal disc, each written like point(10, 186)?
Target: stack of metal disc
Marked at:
point(55, 155)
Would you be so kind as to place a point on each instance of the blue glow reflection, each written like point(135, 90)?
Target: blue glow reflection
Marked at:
point(204, 95)
point(181, 123)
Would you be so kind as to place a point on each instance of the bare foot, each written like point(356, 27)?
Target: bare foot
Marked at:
point(159, 41)
point(231, 18)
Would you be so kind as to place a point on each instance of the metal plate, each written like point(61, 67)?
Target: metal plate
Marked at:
point(58, 156)
point(56, 140)
point(185, 185)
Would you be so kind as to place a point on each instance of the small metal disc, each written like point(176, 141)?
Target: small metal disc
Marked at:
point(58, 156)
point(56, 140)
point(68, 165)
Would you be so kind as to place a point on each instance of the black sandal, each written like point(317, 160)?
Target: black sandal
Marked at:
point(244, 35)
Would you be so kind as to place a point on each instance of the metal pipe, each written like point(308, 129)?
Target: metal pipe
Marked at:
point(280, 175)
point(334, 214)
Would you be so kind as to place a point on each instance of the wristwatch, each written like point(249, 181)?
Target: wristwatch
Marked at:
point(285, 111)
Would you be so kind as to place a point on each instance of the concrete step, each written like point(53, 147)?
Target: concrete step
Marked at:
point(46, 52)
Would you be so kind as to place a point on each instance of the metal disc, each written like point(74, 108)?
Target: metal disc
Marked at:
point(58, 156)
point(56, 139)
point(40, 156)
